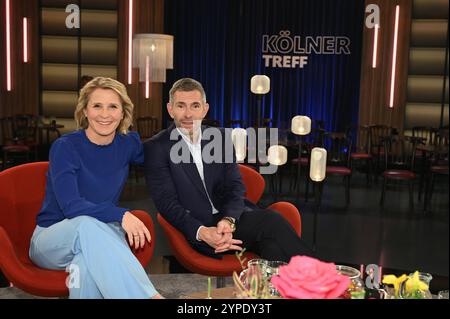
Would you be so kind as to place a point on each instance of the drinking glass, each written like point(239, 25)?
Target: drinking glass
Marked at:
point(416, 294)
point(355, 289)
point(443, 294)
point(273, 268)
point(261, 263)
point(253, 265)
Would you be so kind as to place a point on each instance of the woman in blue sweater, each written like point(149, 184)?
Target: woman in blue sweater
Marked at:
point(80, 228)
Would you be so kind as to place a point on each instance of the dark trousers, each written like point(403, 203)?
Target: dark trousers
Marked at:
point(269, 235)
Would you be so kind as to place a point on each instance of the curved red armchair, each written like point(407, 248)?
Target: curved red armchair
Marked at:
point(22, 190)
point(201, 264)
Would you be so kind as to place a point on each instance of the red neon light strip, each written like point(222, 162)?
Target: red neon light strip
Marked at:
point(130, 39)
point(394, 56)
point(8, 47)
point(375, 46)
point(25, 40)
point(147, 77)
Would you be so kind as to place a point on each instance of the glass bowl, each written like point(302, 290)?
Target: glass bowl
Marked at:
point(356, 288)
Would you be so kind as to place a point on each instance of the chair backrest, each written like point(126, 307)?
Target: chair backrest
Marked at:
point(378, 133)
point(6, 130)
point(254, 183)
point(147, 126)
point(22, 191)
point(442, 138)
point(338, 149)
point(49, 133)
point(427, 134)
point(316, 137)
point(441, 143)
point(360, 135)
point(25, 127)
point(400, 152)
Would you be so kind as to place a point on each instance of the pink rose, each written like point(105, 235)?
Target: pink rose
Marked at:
point(309, 278)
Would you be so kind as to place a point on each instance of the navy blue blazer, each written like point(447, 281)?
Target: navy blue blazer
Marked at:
point(178, 192)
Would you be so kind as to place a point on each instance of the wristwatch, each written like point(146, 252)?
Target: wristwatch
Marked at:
point(232, 223)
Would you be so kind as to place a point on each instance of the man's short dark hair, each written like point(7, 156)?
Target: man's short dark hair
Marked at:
point(187, 85)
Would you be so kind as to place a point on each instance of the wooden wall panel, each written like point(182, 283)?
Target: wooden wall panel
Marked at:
point(375, 83)
point(90, 50)
point(24, 97)
point(428, 64)
point(148, 18)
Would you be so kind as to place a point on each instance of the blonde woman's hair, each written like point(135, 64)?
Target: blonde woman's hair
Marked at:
point(104, 83)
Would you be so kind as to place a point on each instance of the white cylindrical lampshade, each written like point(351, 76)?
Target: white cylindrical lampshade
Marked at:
point(318, 166)
point(239, 138)
point(301, 125)
point(260, 84)
point(277, 155)
point(158, 50)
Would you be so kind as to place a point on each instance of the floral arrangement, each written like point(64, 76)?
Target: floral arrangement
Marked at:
point(408, 287)
point(309, 278)
point(255, 285)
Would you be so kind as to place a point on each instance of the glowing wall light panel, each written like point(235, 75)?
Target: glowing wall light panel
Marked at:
point(25, 40)
point(394, 56)
point(375, 46)
point(147, 77)
point(8, 46)
point(130, 39)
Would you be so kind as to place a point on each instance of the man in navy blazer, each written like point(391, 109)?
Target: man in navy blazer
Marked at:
point(205, 199)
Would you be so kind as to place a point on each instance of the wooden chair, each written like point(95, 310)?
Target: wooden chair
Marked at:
point(14, 147)
point(426, 133)
point(378, 133)
point(338, 159)
point(399, 152)
point(313, 139)
point(361, 149)
point(439, 164)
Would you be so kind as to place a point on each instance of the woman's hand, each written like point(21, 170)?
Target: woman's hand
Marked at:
point(136, 230)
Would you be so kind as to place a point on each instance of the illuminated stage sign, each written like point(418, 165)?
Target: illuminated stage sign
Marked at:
point(287, 51)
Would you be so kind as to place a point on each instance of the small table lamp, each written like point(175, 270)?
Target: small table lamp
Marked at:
point(300, 125)
point(318, 166)
point(259, 85)
point(277, 155)
point(317, 172)
point(239, 138)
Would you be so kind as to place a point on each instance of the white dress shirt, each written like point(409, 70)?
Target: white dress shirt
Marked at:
point(196, 152)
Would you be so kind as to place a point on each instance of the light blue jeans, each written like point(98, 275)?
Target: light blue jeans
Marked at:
point(96, 255)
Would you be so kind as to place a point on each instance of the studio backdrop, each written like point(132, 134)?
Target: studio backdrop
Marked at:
point(310, 50)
